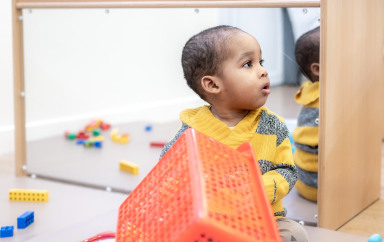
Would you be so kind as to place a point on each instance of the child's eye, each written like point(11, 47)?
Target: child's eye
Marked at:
point(248, 64)
point(261, 62)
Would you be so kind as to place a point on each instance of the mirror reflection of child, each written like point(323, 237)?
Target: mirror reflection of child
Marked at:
point(224, 66)
point(306, 134)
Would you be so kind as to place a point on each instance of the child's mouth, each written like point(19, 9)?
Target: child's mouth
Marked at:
point(266, 89)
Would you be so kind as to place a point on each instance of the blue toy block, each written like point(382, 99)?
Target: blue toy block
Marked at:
point(6, 231)
point(25, 219)
point(98, 144)
point(148, 128)
point(80, 141)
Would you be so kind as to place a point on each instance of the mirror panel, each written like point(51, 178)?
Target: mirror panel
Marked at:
point(122, 66)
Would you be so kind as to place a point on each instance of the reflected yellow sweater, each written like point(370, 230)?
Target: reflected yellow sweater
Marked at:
point(269, 137)
point(306, 138)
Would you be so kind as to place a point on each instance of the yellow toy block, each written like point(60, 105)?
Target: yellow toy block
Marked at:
point(122, 139)
point(97, 138)
point(24, 195)
point(129, 167)
point(94, 124)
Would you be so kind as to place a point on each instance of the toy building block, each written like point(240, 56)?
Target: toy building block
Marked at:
point(80, 141)
point(94, 124)
point(158, 144)
point(96, 132)
point(82, 135)
point(6, 231)
point(88, 144)
point(105, 126)
point(129, 167)
point(69, 135)
point(24, 195)
point(122, 139)
point(200, 190)
point(97, 138)
point(25, 219)
point(97, 144)
point(114, 133)
point(148, 128)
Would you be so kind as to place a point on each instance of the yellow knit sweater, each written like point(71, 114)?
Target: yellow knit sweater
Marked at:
point(269, 137)
point(306, 137)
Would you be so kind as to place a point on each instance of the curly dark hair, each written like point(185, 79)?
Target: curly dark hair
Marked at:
point(204, 53)
point(307, 51)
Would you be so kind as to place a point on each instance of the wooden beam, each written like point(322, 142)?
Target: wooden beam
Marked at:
point(19, 100)
point(165, 4)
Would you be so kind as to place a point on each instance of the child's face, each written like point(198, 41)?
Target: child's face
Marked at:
point(245, 81)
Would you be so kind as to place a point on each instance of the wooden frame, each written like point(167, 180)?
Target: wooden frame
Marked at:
point(351, 129)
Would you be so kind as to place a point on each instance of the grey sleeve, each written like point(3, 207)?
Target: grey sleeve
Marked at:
point(171, 142)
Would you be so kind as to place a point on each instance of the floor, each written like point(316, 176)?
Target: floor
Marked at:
point(81, 206)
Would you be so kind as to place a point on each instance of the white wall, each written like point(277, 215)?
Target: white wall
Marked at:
point(6, 79)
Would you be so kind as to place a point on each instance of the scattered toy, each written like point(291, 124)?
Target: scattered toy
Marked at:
point(158, 144)
point(122, 139)
point(6, 231)
point(25, 219)
point(25, 195)
point(129, 167)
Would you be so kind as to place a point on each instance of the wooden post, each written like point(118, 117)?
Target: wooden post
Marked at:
point(19, 94)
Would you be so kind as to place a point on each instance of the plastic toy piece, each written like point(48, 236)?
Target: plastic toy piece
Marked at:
point(148, 128)
point(6, 231)
point(129, 167)
point(24, 195)
point(82, 135)
point(200, 190)
point(70, 135)
point(88, 144)
point(105, 126)
point(375, 238)
point(94, 124)
point(101, 236)
point(98, 144)
point(122, 139)
point(96, 132)
point(158, 144)
point(25, 219)
point(97, 138)
point(80, 141)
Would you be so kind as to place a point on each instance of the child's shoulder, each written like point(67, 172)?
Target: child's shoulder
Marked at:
point(267, 111)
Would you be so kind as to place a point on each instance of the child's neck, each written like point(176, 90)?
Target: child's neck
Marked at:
point(230, 118)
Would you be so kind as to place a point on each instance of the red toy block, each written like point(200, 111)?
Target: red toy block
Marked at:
point(200, 190)
point(158, 144)
point(104, 126)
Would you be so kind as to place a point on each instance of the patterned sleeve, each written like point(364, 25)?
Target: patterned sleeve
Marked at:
point(172, 141)
point(279, 174)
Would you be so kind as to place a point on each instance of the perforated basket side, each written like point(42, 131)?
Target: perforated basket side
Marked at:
point(162, 206)
point(236, 200)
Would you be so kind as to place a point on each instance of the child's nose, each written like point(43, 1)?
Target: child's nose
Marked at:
point(263, 73)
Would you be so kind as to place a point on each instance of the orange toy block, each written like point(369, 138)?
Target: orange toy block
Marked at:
point(200, 190)
point(129, 167)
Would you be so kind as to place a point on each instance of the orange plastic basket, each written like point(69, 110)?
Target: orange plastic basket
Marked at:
point(200, 190)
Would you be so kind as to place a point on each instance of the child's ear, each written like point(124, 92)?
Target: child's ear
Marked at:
point(315, 69)
point(210, 84)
